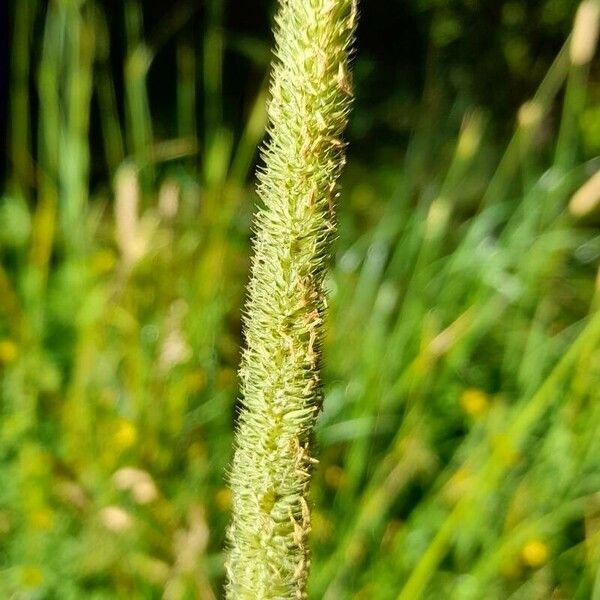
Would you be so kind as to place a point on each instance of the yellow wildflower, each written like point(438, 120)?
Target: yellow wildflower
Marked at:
point(126, 434)
point(474, 402)
point(8, 351)
point(535, 553)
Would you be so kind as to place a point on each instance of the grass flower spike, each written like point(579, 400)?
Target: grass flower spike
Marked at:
point(280, 386)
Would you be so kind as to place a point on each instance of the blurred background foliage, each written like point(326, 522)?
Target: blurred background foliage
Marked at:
point(458, 445)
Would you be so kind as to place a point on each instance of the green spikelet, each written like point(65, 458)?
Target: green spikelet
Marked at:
point(280, 387)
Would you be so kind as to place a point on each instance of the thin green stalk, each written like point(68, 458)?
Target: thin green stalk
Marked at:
point(245, 152)
point(43, 230)
point(582, 46)
point(114, 147)
point(280, 380)
point(74, 163)
point(213, 71)
point(542, 102)
point(138, 121)
point(20, 142)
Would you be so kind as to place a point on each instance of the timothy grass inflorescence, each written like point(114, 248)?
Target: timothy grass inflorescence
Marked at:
point(280, 387)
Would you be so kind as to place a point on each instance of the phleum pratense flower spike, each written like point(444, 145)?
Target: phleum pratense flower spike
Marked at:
point(280, 387)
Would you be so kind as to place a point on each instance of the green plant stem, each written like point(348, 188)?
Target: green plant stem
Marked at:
point(20, 130)
point(280, 382)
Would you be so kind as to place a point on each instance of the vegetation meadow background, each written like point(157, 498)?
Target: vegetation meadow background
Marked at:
point(458, 446)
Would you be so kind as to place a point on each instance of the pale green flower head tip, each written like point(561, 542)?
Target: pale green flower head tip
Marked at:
point(280, 383)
